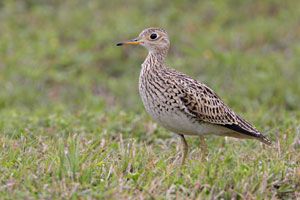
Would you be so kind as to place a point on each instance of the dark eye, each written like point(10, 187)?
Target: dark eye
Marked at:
point(153, 36)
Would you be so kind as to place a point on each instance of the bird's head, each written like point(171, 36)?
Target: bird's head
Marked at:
point(154, 39)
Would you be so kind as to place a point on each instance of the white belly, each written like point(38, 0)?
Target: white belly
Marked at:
point(179, 123)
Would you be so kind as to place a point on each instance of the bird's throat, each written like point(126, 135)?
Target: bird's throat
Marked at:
point(154, 60)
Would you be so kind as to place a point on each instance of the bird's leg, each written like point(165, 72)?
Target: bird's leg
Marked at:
point(203, 147)
point(184, 148)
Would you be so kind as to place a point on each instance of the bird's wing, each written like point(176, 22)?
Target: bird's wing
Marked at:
point(205, 105)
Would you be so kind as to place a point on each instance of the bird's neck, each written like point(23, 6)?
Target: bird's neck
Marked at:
point(155, 60)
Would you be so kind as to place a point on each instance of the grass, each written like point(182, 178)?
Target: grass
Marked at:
point(72, 124)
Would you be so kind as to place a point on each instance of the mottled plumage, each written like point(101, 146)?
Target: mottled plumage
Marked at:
point(180, 103)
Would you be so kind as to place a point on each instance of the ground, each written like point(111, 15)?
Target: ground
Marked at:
point(72, 124)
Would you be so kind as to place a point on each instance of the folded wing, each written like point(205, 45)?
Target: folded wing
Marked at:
point(204, 104)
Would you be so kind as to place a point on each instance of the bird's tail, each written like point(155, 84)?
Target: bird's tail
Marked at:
point(247, 130)
point(264, 139)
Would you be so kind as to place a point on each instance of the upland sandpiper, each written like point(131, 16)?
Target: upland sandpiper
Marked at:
point(180, 103)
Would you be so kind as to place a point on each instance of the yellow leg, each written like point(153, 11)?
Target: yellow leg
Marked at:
point(203, 147)
point(184, 148)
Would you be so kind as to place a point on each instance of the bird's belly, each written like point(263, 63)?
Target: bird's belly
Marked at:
point(178, 122)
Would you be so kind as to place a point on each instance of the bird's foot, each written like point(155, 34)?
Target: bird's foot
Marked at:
point(184, 149)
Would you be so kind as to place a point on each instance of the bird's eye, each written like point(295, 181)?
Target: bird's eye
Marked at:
point(153, 36)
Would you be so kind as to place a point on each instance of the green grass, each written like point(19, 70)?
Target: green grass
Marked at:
point(72, 124)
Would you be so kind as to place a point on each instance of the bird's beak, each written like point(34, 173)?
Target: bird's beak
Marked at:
point(135, 41)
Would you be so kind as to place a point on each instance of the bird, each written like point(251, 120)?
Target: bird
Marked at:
point(180, 103)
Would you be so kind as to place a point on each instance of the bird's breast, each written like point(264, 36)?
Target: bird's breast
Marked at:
point(162, 101)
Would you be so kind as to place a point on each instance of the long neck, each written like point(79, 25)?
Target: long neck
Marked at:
point(152, 66)
point(155, 60)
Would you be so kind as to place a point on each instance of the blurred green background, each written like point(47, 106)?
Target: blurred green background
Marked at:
point(62, 75)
